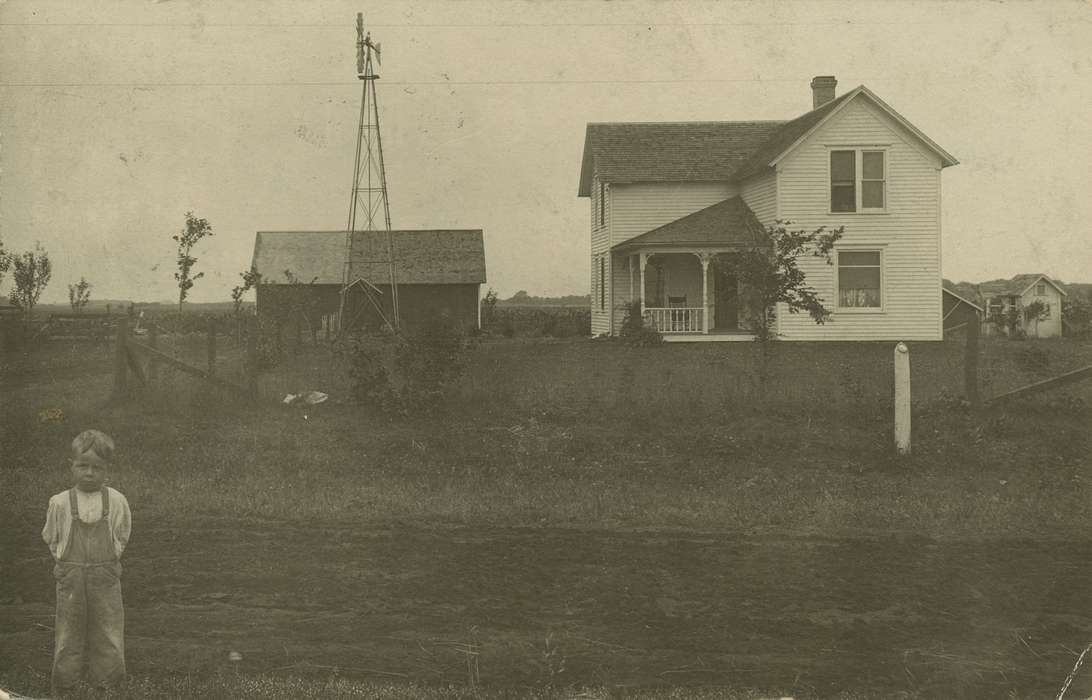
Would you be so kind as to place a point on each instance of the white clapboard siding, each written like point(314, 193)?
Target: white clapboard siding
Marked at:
point(637, 208)
point(908, 233)
point(760, 194)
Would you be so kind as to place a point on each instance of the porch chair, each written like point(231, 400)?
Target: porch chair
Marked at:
point(676, 303)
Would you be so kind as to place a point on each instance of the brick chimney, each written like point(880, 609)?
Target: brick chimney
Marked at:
point(822, 90)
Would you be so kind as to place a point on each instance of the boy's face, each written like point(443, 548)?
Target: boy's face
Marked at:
point(89, 472)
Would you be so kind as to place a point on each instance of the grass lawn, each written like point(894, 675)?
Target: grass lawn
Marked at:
point(580, 515)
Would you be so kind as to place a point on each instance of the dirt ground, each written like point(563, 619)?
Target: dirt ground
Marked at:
point(803, 616)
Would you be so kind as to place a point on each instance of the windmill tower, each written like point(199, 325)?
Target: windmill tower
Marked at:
point(369, 209)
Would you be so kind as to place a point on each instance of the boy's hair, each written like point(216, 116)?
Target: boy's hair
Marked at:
point(94, 441)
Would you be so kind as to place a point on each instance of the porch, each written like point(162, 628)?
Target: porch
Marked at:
point(689, 295)
point(681, 276)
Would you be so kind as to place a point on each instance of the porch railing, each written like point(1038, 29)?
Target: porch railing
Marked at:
point(675, 319)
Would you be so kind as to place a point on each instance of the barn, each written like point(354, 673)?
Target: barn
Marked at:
point(438, 272)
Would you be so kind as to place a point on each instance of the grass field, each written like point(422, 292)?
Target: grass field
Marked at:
point(582, 515)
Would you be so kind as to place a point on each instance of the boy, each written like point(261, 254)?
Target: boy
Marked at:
point(87, 528)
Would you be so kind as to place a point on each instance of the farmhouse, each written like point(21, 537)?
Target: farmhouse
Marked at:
point(303, 273)
point(1017, 295)
point(668, 199)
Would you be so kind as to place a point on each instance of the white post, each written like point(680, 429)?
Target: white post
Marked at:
point(704, 257)
point(902, 399)
point(644, 262)
point(629, 259)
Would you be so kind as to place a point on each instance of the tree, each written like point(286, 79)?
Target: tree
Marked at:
point(79, 294)
point(5, 261)
point(769, 274)
point(195, 230)
point(1077, 313)
point(1034, 312)
point(489, 308)
point(251, 279)
point(31, 272)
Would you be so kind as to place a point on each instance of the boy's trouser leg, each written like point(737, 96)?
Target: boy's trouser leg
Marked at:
point(105, 626)
point(70, 626)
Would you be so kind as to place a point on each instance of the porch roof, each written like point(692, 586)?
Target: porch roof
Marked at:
point(727, 224)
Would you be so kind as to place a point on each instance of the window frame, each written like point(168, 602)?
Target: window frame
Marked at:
point(602, 283)
point(838, 308)
point(859, 178)
point(1040, 289)
point(602, 204)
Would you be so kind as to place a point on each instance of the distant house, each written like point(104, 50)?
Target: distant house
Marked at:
point(959, 310)
point(436, 272)
point(668, 199)
point(1019, 293)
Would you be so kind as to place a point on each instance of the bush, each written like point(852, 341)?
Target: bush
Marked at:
point(428, 362)
point(634, 330)
point(406, 374)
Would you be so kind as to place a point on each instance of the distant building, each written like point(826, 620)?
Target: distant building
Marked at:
point(999, 296)
point(437, 272)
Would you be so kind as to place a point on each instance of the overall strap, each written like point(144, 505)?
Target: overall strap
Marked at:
point(105, 502)
point(72, 501)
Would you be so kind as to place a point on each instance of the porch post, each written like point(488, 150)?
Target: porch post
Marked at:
point(629, 260)
point(644, 262)
point(704, 257)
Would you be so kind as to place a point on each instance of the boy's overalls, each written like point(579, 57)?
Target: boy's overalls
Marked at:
point(90, 620)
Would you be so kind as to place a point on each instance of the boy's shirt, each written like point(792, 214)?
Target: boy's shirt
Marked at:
point(58, 523)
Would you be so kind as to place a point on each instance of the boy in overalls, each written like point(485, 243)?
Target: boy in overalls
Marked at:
point(87, 528)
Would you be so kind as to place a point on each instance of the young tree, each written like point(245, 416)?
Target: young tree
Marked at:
point(195, 230)
point(1034, 312)
point(251, 279)
point(79, 294)
point(769, 275)
point(31, 272)
point(5, 260)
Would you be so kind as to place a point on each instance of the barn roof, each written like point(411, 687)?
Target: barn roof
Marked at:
point(421, 257)
point(730, 223)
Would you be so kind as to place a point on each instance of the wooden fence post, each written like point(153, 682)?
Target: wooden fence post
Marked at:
point(902, 399)
point(121, 360)
point(212, 346)
point(153, 342)
point(970, 364)
point(252, 329)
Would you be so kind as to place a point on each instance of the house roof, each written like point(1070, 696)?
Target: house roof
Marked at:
point(1017, 285)
point(730, 223)
point(709, 151)
point(669, 151)
point(421, 257)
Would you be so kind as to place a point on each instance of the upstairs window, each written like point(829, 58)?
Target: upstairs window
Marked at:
point(860, 279)
point(858, 180)
point(1040, 289)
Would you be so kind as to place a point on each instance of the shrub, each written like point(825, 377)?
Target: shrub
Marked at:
point(428, 361)
point(406, 374)
point(634, 330)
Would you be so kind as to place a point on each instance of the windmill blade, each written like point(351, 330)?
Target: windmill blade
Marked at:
point(379, 54)
point(359, 42)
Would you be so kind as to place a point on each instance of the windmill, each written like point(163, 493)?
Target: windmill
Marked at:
point(369, 209)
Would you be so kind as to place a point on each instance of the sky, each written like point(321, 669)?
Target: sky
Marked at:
point(118, 117)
